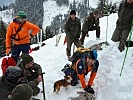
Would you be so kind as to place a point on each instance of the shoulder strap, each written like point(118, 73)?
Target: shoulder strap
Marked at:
point(14, 35)
point(20, 27)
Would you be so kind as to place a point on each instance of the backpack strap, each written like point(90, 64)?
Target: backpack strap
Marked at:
point(14, 35)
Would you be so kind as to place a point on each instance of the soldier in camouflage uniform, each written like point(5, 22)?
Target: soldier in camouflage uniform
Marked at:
point(123, 24)
point(73, 30)
point(32, 72)
point(10, 80)
point(91, 23)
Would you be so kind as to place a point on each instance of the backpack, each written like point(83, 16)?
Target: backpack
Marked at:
point(79, 54)
point(6, 62)
point(68, 70)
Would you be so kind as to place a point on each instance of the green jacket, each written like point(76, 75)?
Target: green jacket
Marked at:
point(73, 28)
point(89, 22)
point(125, 16)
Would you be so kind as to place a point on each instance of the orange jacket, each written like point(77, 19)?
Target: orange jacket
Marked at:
point(24, 34)
point(81, 76)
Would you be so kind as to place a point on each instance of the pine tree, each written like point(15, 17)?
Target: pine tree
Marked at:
point(2, 38)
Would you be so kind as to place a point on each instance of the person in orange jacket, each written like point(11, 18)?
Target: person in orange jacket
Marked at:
point(20, 31)
point(83, 66)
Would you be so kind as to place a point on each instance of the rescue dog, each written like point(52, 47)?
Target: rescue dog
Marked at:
point(62, 83)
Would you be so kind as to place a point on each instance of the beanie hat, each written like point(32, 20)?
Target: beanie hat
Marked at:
point(13, 74)
point(22, 92)
point(96, 12)
point(21, 14)
point(73, 12)
point(26, 58)
point(93, 54)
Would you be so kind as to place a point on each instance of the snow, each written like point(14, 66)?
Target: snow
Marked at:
point(108, 84)
point(51, 10)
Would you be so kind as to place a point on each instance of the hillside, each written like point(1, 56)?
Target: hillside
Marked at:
point(108, 83)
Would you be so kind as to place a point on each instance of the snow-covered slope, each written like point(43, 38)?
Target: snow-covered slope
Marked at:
point(108, 83)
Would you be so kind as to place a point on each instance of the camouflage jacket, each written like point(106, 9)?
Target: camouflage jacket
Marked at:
point(125, 16)
point(35, 68)
point(5, 88)
point(89, 22)
point(73, 28)
point(32, 73)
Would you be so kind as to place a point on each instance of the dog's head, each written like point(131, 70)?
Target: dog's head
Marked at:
point(68, 78)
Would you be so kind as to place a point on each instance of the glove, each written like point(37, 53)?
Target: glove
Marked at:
point(89, 90)
point(8, 49)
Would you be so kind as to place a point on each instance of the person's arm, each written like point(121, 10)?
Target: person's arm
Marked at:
point(35, 29)
point(97, 22)
point(93, 72)
point(80, 72)
point(37, 68)
point(85, 25)
point(8, 36)
point(79, 31)
point(66, 27)
point(120, 7)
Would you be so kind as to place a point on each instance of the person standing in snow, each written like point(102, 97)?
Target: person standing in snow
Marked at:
point(123, 24)
point(32, 72)
point(72, 29)
point(91, 23)
point(20, 31)
point(82, 67)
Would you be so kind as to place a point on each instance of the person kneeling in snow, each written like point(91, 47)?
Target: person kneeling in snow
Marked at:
point(83, 66)
point(32, 72)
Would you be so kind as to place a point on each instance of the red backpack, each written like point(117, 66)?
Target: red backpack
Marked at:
point(6, 62)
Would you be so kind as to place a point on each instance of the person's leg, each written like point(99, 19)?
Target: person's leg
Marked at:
point(78, 43)
point(116, 35)
point(97, 28)
point(83, 37)
point(123, 39)
point(33, 83)
point(25, 48)
point(98, 31)
point(15, 52)
point(69, 44)
point(74, 78)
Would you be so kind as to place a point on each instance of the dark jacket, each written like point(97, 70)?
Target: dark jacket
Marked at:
point(32, 73)
point(5, 88)
point(125, 16)
point(89, 22)
point(73, 28)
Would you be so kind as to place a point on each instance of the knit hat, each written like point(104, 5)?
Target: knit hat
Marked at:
point(96, 12)
point(13, 74)
point(21, 14)
point(93, 54)
point(22, 92)
point(26, 58)
point(73, 12)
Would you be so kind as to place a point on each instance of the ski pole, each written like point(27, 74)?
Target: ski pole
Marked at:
point(43, 86)
point(130, 34)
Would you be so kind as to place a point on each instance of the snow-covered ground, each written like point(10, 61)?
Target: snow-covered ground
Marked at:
point(108, 84)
